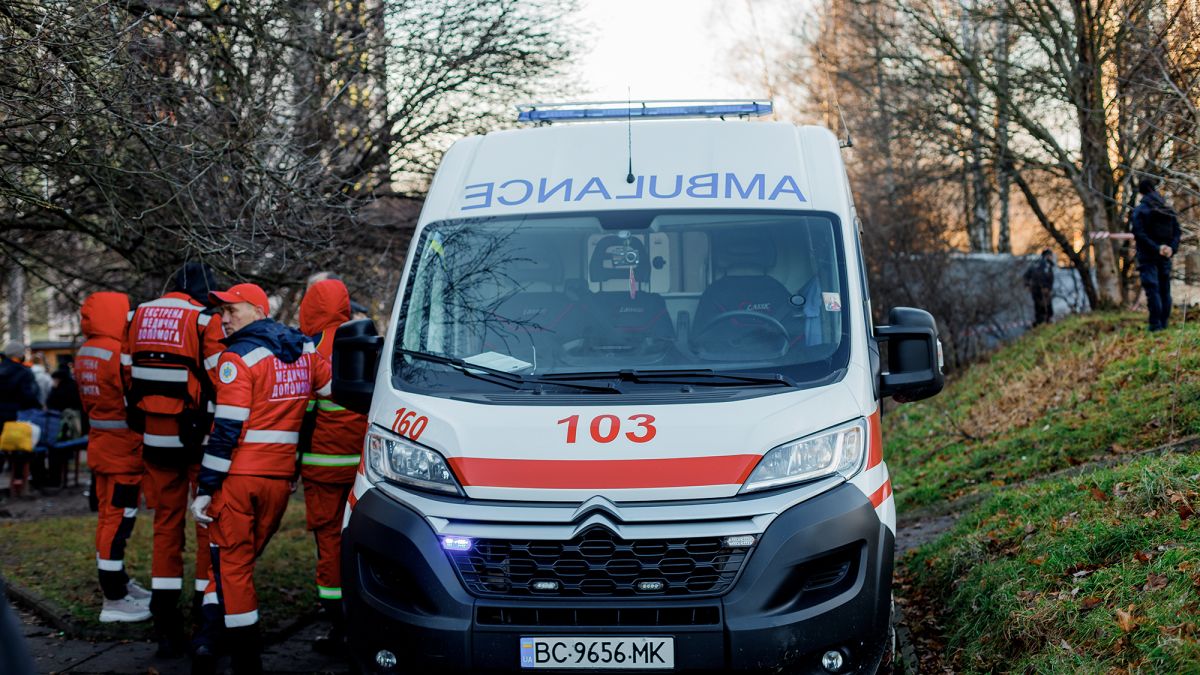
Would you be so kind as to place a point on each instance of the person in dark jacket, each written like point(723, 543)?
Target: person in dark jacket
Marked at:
point(18, 387)
point(1039, 279)
point(1156, 230)
point(64, 395)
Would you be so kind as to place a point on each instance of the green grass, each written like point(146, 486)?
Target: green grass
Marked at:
point(1093, 573)
point(1088, 387)
point(1099, 573)
point(55, 558)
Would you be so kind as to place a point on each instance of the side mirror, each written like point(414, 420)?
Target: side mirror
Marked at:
point(914, 355)
point(356, 348)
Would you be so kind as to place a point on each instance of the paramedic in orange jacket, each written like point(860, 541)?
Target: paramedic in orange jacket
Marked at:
point(330, 457)
point(173, 344)
point(114, 451)
point(265, 378)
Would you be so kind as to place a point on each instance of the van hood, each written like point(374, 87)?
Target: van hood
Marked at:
point(326, 304)
point(634, 452)
point(104, 314)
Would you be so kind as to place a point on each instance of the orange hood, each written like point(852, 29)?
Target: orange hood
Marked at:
point(326, 304)
point(105, 314)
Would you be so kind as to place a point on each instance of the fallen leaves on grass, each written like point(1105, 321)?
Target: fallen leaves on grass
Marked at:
point(1183, 505)
point(1155, 582)
point(1089, 602)
point(1096, 492)
point(1126, 620)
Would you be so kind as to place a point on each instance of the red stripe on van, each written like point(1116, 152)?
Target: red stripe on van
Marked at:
point(604, 473)
point(881, 495)
point(874, 440)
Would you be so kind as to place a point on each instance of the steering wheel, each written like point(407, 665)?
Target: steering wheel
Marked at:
point(737, 342)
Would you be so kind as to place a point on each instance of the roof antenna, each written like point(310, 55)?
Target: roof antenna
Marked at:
point(629, 131)
point(848, 142)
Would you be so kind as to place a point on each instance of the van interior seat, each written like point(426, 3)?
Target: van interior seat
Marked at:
point(744, 260)
point(534, 315)
point(627, 313)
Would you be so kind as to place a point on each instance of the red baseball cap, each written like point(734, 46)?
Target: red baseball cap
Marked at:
point(250, 293)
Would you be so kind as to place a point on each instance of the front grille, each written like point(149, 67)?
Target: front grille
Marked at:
point(598, 563)
point(598, 616)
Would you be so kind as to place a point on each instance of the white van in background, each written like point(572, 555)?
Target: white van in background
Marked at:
point(626, 415)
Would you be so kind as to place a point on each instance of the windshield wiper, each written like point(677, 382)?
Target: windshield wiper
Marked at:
point(501, 377)
point(703, 376)
point(479, 372)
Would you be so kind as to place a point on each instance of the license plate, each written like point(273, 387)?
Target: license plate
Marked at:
point(613, 653)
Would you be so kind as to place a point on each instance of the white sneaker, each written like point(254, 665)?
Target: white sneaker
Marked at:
point(126, 610)
point(135, 591)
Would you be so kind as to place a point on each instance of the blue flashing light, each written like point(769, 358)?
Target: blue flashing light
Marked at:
point(451, 543)
point(563, 113)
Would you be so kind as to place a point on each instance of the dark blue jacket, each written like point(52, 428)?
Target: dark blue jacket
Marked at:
point(1154, 224)
point(286, 344)
point(18, 389)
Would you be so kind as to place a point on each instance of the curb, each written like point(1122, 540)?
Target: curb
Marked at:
point(47, 610)
point(58, 617)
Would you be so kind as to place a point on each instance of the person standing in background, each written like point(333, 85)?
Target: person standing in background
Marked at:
point(1039, 279)
point(18, 391)
point(173, 344)
point(1156, 231)
point(114, 452)
point(330, 450)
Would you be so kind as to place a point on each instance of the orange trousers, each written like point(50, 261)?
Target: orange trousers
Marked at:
point(246, 513)
point(324, 505)
point(168, 490)
point(118, 496)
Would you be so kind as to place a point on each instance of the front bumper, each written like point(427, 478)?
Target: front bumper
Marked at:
point(818, 579)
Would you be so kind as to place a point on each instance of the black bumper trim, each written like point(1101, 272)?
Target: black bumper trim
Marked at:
point(819, 578)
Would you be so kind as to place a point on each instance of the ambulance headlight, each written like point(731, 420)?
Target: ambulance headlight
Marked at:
point(395, 459)
point(839, 450)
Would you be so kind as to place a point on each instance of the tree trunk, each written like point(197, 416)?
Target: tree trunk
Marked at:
point(1095, 184)
point(1004, 160)
point(979, 223)
point(16, 303)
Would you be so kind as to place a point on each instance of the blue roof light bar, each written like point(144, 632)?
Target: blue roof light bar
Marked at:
point(546, 113)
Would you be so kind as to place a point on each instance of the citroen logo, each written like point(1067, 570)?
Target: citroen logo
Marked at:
point(596, 511)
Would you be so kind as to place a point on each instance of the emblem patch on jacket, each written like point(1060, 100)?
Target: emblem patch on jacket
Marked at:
point(227, 373)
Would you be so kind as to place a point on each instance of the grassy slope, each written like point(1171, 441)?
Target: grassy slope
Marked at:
point(55, 557)
point(1096, 573)
point(1088, 387)
point(1099, 573)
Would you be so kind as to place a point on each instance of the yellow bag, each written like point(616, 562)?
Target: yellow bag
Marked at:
point(19, 437)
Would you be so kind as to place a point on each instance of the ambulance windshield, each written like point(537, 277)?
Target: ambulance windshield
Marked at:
point(747, 292)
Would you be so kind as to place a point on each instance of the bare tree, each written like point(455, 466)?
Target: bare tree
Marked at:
point(265, 138)
point(1085, 95)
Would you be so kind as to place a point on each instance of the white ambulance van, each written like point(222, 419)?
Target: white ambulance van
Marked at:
point(626, 414)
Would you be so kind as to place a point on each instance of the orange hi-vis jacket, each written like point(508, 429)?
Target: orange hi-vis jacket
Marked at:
point(173, 348)
point(101, 369)
point(264, 382)
point(337, 438)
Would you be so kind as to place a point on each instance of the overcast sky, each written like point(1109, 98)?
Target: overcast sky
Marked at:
point(673, 49)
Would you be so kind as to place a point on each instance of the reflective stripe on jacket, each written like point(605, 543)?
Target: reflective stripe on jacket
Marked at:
point(264, 382)
point(337, 437)
point(101, 369)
